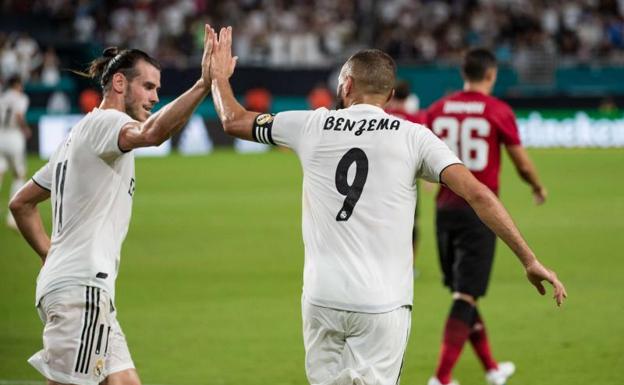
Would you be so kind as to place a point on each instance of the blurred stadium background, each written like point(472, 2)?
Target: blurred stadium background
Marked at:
point(210, 281)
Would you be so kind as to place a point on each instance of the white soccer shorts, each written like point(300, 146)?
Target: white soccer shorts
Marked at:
point(13, 152)
point(82, 340)
point(349, 348)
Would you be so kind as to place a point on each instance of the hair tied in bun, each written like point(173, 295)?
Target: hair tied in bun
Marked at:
point(110, 52)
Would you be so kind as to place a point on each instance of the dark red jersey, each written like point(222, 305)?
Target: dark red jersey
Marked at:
point(418, 117)
point(474, 126)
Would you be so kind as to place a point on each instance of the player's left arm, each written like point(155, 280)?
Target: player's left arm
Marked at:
point(20, 116)
point(527, 171)
point(507, 126)
point(170, 119)
point(492, 212)
point(236, 120)
point(23, 206)
point(21, 122)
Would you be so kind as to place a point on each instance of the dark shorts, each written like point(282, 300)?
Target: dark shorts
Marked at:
point(466, 250)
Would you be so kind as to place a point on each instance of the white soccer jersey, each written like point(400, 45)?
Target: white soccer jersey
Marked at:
point(92, 183)
point(359, 194)
point(11, 103)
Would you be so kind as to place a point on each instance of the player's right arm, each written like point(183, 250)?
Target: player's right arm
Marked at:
point(236, 120)
point(284, 129)
point(23, 206)
point(527, 171)
point(492, 212)
point(171, 118)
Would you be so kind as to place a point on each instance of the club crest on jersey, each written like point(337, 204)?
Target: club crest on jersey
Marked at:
point(98, 369)
point(264, 119)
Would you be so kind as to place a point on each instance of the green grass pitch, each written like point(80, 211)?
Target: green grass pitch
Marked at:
point(210, 282)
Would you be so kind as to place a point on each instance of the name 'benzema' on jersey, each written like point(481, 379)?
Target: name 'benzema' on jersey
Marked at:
point(360, 126)
point(359, 194)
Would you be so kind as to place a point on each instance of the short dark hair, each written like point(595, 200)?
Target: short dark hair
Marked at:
point(373, 71)
point(401, 90)
point(476, 63)
point(13, 81)
point(114, 60)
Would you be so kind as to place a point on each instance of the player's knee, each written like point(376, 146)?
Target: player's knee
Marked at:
point(465, 297)
point(463, 311)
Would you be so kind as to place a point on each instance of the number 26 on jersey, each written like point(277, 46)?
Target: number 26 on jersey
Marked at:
point(465, 138)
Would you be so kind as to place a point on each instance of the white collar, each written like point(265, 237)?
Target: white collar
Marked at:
point(365, 106)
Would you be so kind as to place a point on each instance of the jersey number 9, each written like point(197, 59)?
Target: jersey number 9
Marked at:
point(351, 191)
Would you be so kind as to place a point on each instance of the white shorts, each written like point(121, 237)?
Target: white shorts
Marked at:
point(82, 340)
point(348, 348)
point(13, 152)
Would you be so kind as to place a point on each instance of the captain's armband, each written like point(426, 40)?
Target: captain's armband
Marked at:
point(262, 126)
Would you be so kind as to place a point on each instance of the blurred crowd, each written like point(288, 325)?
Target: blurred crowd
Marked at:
point(21, 55)
point(317, 32)
point(575, 31)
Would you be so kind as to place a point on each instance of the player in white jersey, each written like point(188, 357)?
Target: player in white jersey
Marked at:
point(360, 167)
point(13, 134)
point(91, 181)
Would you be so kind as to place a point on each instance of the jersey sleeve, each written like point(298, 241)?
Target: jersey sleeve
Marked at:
point(433, 155)
point(43, 177)
point(288, 128)
point(507, 126)
point(104, 133)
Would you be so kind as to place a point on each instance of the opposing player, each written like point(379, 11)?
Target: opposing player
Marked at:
point(91, 180)
point(398, 105)
point(13, 134)
point(474, 125)
point(360, 166)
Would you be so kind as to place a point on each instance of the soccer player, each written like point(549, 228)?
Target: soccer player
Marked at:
point(360, 166)
point(91, 180)
point(474, 125)
point(397, 105)
point(13, 134)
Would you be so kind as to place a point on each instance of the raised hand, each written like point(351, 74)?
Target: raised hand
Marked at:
point(222, 63)
point(209, 39)
point(536, 273)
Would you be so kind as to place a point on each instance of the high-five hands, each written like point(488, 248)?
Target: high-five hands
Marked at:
point(222, 63)
point(209, 39)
